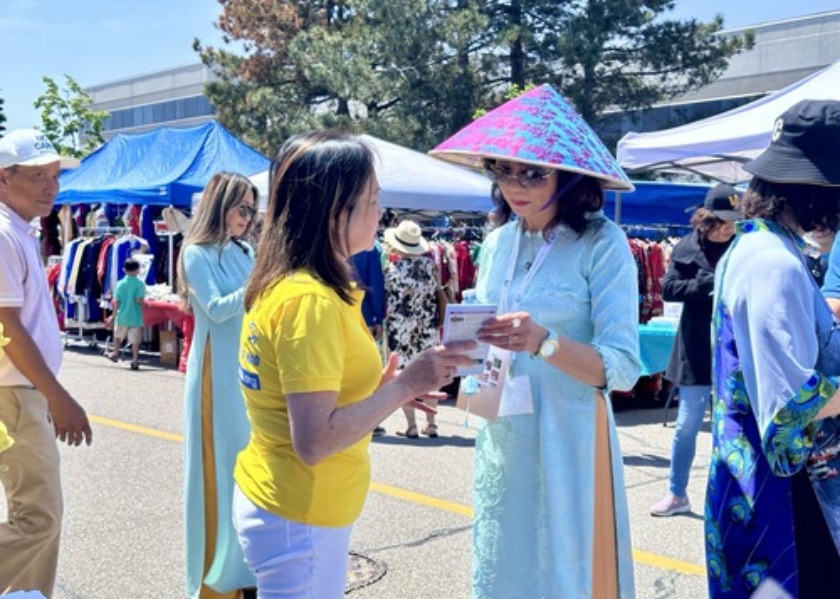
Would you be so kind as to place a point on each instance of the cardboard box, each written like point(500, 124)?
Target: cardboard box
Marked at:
point(169, 354)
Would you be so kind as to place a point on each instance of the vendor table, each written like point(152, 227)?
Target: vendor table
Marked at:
point(655, 343)
point(157, 312)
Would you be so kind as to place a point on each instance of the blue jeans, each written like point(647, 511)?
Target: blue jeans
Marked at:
point(693, 401)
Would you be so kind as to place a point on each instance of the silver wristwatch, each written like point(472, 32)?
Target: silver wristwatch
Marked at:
point(549, 346)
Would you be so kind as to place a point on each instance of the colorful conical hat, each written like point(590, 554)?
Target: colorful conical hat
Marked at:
point(538, 127)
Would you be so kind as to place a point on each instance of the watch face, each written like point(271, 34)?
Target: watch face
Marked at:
point(548, 348)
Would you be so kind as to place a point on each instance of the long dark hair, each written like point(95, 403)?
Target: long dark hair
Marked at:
point(582, 196)
point(315, 177)
point(812, 206)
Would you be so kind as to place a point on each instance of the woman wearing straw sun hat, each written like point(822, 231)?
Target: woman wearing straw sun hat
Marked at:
point(549, 485)
point(410, 286)
point(773, 496)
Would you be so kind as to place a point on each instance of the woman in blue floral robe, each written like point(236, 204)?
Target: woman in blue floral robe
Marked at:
point(773, 497)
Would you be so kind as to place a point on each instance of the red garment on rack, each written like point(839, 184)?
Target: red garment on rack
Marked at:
point(102, 259)
point(466, 268)
point(656, 272)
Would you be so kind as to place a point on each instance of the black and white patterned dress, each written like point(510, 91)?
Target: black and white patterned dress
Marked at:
point(410, 285)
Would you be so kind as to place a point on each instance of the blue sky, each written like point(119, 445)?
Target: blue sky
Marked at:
point(97, 41)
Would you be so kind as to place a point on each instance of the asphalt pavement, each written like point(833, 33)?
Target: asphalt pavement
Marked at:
point(123, 529)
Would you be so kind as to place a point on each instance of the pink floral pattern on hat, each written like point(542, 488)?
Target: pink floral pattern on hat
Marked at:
point(539, 127)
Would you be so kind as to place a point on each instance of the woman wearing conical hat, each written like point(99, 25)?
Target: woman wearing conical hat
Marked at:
point(550, 506)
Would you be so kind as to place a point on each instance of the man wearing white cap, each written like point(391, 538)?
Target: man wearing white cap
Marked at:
point(33, 404)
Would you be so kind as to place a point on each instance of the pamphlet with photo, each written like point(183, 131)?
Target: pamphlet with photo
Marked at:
point(461, 324)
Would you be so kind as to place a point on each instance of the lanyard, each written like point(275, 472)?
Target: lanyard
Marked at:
point(504, 300)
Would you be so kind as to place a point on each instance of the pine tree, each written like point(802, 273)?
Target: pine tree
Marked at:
point(415, 71)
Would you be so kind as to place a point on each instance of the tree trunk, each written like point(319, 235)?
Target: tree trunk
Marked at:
point(517, 55)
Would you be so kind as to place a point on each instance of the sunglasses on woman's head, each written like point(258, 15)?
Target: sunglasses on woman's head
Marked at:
point(246, 211)
point(529, 178)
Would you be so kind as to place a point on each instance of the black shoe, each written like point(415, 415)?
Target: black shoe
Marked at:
point(135, 366)
point(379, 431)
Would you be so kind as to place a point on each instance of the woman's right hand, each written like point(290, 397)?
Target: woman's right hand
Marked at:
point(435, 367)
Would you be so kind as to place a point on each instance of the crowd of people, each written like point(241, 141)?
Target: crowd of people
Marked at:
point(286, 380)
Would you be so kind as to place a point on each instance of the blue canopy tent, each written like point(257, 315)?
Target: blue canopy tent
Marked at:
point(655, 203)
point(163, 167)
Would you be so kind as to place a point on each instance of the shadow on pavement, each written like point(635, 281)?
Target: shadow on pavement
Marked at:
point(442, 441)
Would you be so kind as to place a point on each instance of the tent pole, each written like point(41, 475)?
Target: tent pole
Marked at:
point(617, 217)
point(171, 260)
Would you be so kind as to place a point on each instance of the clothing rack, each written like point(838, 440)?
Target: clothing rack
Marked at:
point(80, 324)
point(85, 231)
point(455, 233)
point(656, 232)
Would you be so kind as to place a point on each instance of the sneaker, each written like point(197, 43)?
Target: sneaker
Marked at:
point(671, 506)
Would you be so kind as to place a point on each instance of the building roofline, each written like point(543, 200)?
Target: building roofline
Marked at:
point(764, 24)
point(146, 75)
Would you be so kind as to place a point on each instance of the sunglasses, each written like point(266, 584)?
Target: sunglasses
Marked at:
point(530, 178)
point(246, 211)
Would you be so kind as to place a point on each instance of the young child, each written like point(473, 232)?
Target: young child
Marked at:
point(129, 295)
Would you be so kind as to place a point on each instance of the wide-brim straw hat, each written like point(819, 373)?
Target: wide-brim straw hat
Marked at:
point(407, 237)
point(539, 128)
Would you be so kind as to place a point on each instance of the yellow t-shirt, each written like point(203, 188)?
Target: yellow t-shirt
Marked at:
point(301, 337)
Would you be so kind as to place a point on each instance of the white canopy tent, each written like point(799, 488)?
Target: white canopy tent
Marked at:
point(716, 147)
point(414, 181)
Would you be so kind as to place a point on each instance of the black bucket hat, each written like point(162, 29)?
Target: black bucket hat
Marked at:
point(724, 201)
point(804, 147)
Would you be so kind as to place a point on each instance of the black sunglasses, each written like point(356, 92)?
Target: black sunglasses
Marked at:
point(246, 211)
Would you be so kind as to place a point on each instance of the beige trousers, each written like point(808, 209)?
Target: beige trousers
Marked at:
point(30, 475)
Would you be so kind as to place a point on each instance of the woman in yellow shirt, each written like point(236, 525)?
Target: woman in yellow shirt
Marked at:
point(310, 371)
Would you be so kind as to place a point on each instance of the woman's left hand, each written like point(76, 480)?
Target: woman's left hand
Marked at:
point(514, 331)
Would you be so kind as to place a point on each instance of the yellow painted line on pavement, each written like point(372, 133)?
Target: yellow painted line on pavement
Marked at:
point(642, 557)
point(667, 563)
point(151, 432)
point(441, 504)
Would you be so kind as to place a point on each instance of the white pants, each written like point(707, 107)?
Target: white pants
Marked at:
point(291, 560)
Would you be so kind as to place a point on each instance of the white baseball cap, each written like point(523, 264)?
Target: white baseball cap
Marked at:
point(30, 147)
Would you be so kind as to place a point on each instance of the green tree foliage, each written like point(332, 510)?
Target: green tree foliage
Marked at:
point(415, 71)
point(67, 119)
point(611, 54)
point(398, 69)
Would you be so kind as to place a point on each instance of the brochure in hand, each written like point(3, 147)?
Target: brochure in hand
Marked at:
point(461, 323)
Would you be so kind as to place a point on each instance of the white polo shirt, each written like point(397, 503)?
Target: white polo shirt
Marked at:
point(23, 284)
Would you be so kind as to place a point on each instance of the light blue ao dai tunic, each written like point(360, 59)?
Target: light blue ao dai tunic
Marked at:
point(216, 283)
point(535, 479)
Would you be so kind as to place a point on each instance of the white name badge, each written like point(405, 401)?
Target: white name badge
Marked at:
point(516, 397)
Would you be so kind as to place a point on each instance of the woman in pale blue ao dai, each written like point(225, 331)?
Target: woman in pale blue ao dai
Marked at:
point(213, 267)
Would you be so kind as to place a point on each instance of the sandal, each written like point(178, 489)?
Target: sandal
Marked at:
point(410, 432)
point(431, 431)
